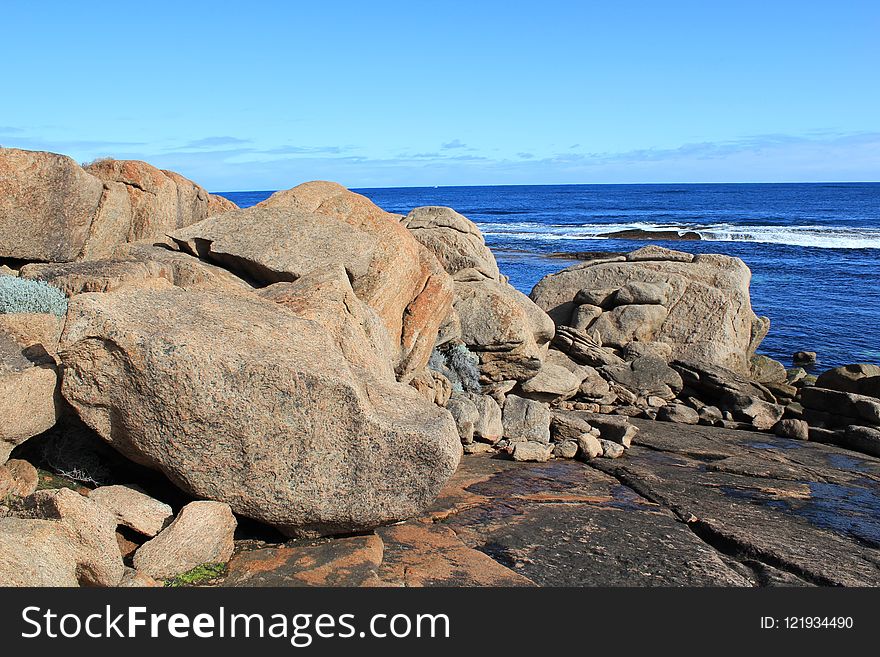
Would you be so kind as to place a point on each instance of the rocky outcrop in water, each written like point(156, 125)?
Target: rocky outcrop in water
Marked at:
point(698, 306)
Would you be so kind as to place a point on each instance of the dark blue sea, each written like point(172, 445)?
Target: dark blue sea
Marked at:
point(813, 248)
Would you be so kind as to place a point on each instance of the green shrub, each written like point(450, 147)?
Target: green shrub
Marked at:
point(458, 364)
point(18, 295)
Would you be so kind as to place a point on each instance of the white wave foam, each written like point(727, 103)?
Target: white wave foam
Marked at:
point(826, 237)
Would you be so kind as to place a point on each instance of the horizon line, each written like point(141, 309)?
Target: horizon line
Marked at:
point(591, 184)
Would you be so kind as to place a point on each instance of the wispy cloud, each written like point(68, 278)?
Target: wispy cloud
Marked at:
point(213, 142)
point(453, 145)
point(239, 164)
point(308, 150)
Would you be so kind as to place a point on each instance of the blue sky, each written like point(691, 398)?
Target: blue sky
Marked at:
point(264, 95)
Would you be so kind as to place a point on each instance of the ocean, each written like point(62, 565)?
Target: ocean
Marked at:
point(813, 248)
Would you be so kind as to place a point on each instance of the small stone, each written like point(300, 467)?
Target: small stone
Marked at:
point(137, 579)
point(526, 419)
point(710, 415)
point(795, 429)
point(552, 383)
point(629, 411)
point(478, 448)
point(202, 533)
point(529, 450)
point(488, 426)
point(804, 357)
point(678, 413)
point(656, 402)
point(765, 370)
point(133, 508)
point(18, 478)
point(611, 450)
point(589, 446)
point(616, 429)
point(567, 449)
point(568, 426)
point(595, 297)
point(466, 416)
point(694, 402)
point(794, 411)
point(736, 426)
point(584, 315)
point(761, 414)
point(92, 530)
point(643, 293)
point(795, 375)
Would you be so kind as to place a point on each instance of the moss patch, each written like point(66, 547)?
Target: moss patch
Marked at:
point(49, 480)
point(198, 576)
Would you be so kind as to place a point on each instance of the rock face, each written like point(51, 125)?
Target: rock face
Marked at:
point(454, 239)
point(859, 378)
point(133, 508)
point(53, 210)
point(503, 327)
point(47, 205)
point(327, 298)
point(351, 561)
point(525, 419)
point(201, 534)
point(698, 305)
point(497, 322)
point(36, 553)
point(319, 224)
point(159, 201)
point(90, 533)
point(17, 478)
point(645, 376)
point(28, 394)
point(99, 275)
point(33, 332)
point(237, 399)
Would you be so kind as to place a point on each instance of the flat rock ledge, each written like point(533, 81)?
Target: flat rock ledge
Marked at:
point(688, 506)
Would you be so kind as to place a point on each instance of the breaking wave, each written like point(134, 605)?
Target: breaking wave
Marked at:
point(825, 237)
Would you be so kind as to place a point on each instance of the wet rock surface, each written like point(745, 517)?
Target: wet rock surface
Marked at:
point(687, 506)
point(806, 509)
